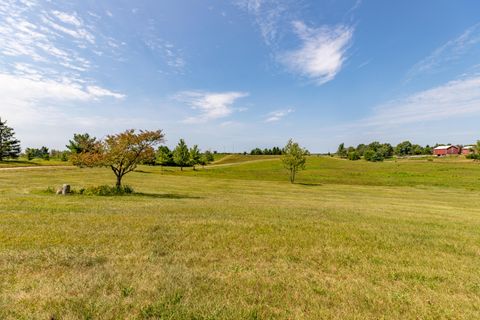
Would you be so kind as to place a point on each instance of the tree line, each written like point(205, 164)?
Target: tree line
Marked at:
point(267, 151)
point(376, 151)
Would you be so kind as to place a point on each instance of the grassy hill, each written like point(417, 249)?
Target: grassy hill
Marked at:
point(351, 240)
point(240, 158)
point(446, 172)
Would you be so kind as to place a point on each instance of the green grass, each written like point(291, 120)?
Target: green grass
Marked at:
point(238, 158)
point(456, 173)
point(355, 240)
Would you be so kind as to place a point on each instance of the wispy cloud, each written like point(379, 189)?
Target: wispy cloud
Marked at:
point(448, 53)
point(172, 56)
point(209, 105)
point(45, 73)
point(277, 115)
point(268, 16)
point(322, 52)
point(453, 99)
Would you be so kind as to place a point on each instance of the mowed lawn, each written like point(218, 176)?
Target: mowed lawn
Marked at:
point(351, 240)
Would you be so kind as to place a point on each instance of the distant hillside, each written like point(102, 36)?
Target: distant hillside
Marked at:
point(237, 158)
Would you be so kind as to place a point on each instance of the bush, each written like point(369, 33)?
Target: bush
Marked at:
point(95, 191)
point(353, 156)
point(473, 156)
point(106, 191)
point(373, 156)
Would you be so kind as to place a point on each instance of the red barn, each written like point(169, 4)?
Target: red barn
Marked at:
point(467, 150)
point(446, 150)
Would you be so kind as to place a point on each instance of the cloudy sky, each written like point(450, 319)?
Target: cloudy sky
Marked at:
point(234, 75)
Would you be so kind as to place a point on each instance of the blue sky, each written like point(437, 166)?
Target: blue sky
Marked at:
point(234, 75)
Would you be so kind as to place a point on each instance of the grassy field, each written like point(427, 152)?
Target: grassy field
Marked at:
point(351, 240)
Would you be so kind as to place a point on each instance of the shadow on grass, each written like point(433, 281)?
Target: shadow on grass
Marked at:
point(312, 184)
point(165, 195)
point(143, 171)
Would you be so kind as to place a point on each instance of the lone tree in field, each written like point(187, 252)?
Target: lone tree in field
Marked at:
point(81, 143)
point(195, 156)
point(294, 158)
point(181, 155)
point(342, 151)
point(121, 152)
point(9, 146)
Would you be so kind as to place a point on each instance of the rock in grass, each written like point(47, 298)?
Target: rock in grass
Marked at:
point(64, 190)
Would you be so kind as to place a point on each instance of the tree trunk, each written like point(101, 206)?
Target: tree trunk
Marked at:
point(119, 182)
point(292, 175)
point(181, 168)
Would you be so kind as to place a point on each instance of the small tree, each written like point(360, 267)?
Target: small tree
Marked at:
point(208, 156)
point(341, 151)
point(294, 158)
point(41, 153)
point(81, 143)
point(353, 156)
point(9, 146)
point(164, 156)
point(181, 156)
point(194, 156)
point(121, 152)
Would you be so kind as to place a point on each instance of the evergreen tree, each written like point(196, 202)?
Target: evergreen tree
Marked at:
point(194, 156)
point(9, 146)
point(164, 156)
point(81, 143)
point(181, 155)
point(208, 156)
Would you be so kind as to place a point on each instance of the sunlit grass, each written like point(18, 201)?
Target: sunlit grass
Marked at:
point(351, 240)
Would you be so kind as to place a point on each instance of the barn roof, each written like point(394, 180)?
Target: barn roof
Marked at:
point(443, 147)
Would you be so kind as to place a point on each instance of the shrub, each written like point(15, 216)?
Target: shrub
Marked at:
point(473, 156)
point(373, 156)
point(353, 156)
point(106, 190)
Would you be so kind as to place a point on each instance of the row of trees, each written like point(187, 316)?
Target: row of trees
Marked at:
point(266, 151)
point(377, 151)
point(182, 156)
point(123, 152)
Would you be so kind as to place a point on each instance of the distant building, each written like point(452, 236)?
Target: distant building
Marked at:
point(446, 150)
point(468, 150)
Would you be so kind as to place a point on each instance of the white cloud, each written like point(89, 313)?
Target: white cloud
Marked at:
point(450, 52)
point(453, 99)
point(67, 18)
point(278, 115)
point(99, 92)
point(75, 31)
point(268, 15)
point(322, 52)
point(38, 107)
point(209, 105)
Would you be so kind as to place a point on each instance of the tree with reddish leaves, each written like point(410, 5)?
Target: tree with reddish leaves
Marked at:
point(120, 152)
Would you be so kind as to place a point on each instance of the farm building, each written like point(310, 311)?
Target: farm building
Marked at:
point(446, 150)
point(468, 150)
